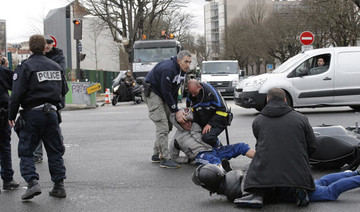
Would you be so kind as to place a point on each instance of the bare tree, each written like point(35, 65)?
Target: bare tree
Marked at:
point(337, 22)
point(202, 53)
point(255, 16)
point(133, 18)
point(281, 35)
point(236, 47)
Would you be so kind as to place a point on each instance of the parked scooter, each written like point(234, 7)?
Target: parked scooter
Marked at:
point(121, 93)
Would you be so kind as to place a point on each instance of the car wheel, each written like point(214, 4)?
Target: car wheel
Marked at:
point(289, 100)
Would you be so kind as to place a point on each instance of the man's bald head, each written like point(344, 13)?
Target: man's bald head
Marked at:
point(194, 87)
point(276, 93)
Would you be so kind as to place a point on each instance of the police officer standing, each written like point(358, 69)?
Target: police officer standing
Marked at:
point(161, 90)
point(7, 172)
point(38, 87)
point(56, 55)
point(209, 109)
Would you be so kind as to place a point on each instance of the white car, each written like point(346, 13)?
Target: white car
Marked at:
point(336, 85)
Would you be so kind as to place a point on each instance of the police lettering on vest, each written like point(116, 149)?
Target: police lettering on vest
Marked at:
point(49, 76)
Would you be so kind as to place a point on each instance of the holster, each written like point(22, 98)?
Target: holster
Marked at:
point(147, 89)
point(47, 108)
point(19, 124)
point(3, 117)
point(59, 116)
point(229, 117)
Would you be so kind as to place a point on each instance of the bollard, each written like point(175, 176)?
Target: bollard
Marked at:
point(107, 96)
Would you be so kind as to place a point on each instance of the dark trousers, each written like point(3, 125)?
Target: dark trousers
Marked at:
point(211, 137)
point(7, 172)
point(130, 93)
point(39, 125)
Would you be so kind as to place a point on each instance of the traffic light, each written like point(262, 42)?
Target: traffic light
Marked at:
point(82, 56)
point(77, 29)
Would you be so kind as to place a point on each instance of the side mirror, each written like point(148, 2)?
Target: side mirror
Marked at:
point(304, 72)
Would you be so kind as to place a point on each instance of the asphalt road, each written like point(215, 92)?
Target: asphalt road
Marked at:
point(108, 151)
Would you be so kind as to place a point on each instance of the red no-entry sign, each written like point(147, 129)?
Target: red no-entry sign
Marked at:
point(55, 41)
point(306, 38)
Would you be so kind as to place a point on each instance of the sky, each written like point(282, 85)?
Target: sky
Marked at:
point(25, 17)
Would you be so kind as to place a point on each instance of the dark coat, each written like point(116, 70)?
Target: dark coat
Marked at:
point(57, 55)
point(38, 80)
point(5, 85)
point(165, 79)
point(285, 140)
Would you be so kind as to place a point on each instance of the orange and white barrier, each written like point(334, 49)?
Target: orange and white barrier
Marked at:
point(107, 96)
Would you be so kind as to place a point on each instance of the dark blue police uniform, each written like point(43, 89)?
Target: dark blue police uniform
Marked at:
point(7, 172)
point(38, 86)
point(209, 108)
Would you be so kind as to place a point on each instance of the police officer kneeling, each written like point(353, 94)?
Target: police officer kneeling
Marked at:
point(38, 87)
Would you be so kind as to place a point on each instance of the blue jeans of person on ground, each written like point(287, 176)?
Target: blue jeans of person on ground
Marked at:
point(217, 154)
point(330, 186)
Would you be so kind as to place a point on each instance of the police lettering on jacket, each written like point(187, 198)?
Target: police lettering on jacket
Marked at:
point(48, 75)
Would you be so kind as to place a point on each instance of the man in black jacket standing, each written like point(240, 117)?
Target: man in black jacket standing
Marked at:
point(7, 173)
point(161, 98)
point(285, 140)
point(56, 55)
point(209, 110)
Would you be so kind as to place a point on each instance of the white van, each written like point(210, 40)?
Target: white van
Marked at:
point(222, 74)
point(305, 84)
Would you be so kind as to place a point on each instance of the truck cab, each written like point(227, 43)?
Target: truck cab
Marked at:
point(223, 75)
point(147, 53)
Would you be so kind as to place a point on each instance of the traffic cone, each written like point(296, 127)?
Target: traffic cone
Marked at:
point(107, 96)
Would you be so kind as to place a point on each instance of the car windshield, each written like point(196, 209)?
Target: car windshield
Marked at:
point(220, 68)
point(153, 54)
point(289, 63)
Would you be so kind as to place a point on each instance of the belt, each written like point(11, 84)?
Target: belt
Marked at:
point(40, 107)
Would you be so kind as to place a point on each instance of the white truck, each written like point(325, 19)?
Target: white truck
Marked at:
point(224, 75)
point(147, 53)
point(306, 86)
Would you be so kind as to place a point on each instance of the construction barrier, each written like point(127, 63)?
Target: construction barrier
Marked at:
point(107, 96)
point(78, 95)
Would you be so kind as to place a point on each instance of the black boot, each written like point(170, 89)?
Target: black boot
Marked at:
point(32, 190)
point(250, 201)
point(58, 189)
point(226, 165)
point(10, 185)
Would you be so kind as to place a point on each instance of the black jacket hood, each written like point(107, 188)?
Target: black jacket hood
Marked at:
point(276, 107)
